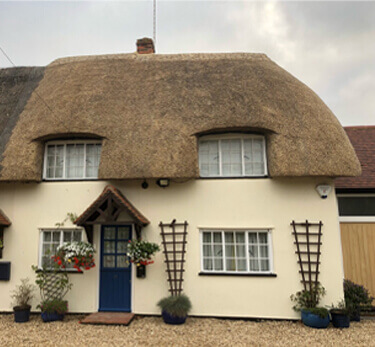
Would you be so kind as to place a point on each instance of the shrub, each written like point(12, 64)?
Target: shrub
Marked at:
point(356, 295)
point(177, 306)
point(307, 299)
point(23, 295)
point(54, 306)
point(319, 311)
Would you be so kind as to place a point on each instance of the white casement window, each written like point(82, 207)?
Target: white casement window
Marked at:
point(232, 155)
point(51, 239)
point(69, 160)
point(242, 251)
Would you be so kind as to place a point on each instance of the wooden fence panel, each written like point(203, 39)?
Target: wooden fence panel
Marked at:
point(358, 248)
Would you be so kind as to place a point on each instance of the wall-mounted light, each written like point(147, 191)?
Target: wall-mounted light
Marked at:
point(323, 190)
point(144, 184)
point(163, 182)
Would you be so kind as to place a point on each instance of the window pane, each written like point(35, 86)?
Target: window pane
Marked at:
point(218, 251)
point(254, 265)
point(264, 265)
point(74, 160)
point(207, 251)
point(207, 237)
point(217, 237)
point(109, 261)
point(110, 233)
point(207, 264)
point(263, 251)
point(241, 251)
point(253, 157)
point(231, 264)
point(109, 246)
point(231, 157)
point(357, 206)
point(122, 261)
point(241, 265)
point(122, 246)
point(253, 238)
point(56, 236)
point(209, 158)
point(123, 233)
point(77, 236)
point(229, 251)
point(218, 262)
point(67, 236)
point(262, 238)
point(229, 237)
point(47, 236)
point(92, 159)
point(240, 237)
point(253, 251)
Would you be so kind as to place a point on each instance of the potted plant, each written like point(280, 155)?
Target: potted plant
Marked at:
point(140, 253)
point(356, 296)
point(175, 308)
point(54, 285)
point(53, 309)
point(22, 297)
point(79, 255)
point(306, 302)
point(340, 315)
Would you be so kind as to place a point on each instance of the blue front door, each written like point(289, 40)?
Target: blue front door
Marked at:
point(115, 269)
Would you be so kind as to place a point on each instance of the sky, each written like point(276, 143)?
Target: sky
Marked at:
point(330, 46)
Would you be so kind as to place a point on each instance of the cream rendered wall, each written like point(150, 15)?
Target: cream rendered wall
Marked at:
point(227, 203)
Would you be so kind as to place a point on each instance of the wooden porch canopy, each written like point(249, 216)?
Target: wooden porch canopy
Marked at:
point(107, 208)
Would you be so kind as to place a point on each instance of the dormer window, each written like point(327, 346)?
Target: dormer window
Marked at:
point(71, 160)
point(232, 155)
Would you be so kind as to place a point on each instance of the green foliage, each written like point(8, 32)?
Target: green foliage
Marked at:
point(53, 284)
point(69, 216)
point(23, 294)
point(319, 311)
point(177, 306)
point(54, 306)
point(340, 308)
point(140, 252)
point(356, 295)
point(307, 299)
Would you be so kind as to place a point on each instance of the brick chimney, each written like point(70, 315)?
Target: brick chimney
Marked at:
point(145, 46)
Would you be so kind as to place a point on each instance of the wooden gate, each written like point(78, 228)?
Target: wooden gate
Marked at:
point(358, 248)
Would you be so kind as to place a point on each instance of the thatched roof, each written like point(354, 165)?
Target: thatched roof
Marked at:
point(16, 86)
point(149, 108)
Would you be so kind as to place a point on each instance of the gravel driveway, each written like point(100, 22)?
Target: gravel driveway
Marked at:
point(151, 331)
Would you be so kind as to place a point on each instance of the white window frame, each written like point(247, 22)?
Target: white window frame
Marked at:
point(355, 219)
point(234, 136)
point(246, 231)
point(65, 143)
point(61, 230)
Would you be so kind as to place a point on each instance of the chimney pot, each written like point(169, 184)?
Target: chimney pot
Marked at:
point(145, 46)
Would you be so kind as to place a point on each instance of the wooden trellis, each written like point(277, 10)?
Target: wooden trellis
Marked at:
point(174, 244)
point(308, 240)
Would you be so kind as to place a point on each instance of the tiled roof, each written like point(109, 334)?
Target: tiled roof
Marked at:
point(111, 191)
point(4, 220)
point(363, 141)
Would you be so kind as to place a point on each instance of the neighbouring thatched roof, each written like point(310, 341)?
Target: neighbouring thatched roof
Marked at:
point(16, 86)
point(148, 108)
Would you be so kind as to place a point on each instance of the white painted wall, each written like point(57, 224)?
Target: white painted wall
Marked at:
point(227, 203)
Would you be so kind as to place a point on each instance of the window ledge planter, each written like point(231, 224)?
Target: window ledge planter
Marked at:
point(314, 320)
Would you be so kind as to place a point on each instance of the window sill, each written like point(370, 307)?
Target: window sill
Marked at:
point(61, 271)
point(237, 274)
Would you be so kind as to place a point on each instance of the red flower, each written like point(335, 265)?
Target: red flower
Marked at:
point(76, 260)
point(59, 262)
point(93, 265)
point(87, 268)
